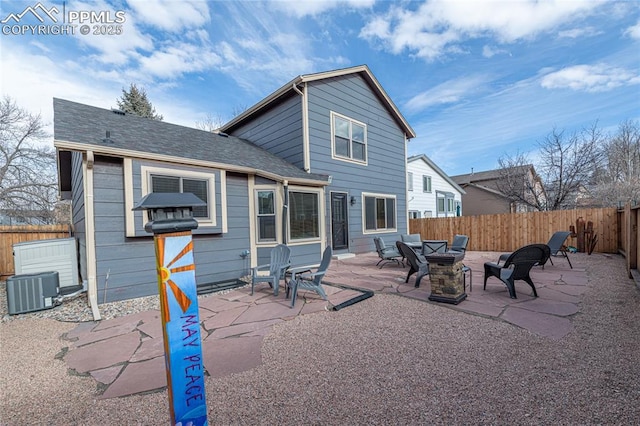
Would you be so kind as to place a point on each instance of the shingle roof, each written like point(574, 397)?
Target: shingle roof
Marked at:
point(487, 175)
point(76, 123)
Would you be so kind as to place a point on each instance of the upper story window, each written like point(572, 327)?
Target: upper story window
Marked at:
point(426, 183)
point(349, 138)
point(410, 181)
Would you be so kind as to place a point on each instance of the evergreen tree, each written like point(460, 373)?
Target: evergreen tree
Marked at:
point(135, 101)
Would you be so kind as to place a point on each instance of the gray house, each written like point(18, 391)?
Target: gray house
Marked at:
point(321, 161)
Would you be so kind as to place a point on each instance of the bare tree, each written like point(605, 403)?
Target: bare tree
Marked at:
point(518, 181)
point(210, 123)
point(28, 181)
point(619, 180)
point(564, 169)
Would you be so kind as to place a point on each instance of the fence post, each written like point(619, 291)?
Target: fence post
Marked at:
point(631, 238)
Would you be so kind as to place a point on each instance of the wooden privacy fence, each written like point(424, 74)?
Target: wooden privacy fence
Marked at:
point(629, 238)
point(507, 232)
point(10, 235)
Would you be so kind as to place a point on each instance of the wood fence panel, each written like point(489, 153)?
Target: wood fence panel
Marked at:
point(507, 232)
point(10, 235)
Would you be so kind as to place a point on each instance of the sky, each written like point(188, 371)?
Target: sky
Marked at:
point(475, 79)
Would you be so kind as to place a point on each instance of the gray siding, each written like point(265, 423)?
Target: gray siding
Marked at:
point(279, 131)
point(78, 211)
point(385, 171)
point(301, 255)
point(129, 263)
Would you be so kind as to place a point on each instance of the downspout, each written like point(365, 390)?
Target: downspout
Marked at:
point(285, 213)
point(90, 238)
point(305, 126)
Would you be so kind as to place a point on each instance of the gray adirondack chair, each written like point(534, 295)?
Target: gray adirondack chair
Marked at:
point(517, 267)
point(280, 262)
point(310, 281)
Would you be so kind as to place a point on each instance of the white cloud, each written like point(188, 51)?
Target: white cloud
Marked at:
point(491, 51)
point(435, 27)
point(589, 78)
point(579, 33)
point(448, 92)
point(633, 31)
point(113, 49)
point(171, 15)
point(316, 7)
point(177, 58)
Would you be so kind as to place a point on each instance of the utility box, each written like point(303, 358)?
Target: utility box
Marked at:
point(31, 292)
point(59, 255)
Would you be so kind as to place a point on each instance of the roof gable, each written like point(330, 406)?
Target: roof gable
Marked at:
point(362, 70)
point(434, 166)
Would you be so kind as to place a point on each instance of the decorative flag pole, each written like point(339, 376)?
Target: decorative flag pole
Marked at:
point(171, 222)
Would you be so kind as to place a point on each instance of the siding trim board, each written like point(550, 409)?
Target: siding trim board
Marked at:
point(90, 236)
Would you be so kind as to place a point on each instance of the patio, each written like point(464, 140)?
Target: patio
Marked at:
point(125, 355)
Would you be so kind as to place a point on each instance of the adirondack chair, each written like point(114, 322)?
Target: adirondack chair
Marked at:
point(517, 267)
point(310, 281)
point(280, 262)
point(418, 264)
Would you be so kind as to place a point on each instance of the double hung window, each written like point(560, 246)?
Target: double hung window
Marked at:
point(349, 139)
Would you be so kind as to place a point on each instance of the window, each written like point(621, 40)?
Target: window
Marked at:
point(426, 183)
point(380, 212)
point(266, 215)
point(199, 187)
point(440, 204)
point(304, 215)
point(165, 178)
point(410, 181)
point(349, 139)
point(413, 214)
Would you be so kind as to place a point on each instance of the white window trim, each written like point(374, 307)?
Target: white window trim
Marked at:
point(147, 171)
point(430, 190)
point(278, 204)
point(321, 224)
point(333, 142)
point(410, 181)
point(364, 216)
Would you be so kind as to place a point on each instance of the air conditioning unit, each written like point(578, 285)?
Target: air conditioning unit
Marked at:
point(32, 292)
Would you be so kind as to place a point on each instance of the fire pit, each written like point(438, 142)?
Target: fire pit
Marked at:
point(447, 277)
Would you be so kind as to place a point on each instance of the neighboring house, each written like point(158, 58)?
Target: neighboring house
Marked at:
point(483, 195)
point(431, 192)
point(321, 161)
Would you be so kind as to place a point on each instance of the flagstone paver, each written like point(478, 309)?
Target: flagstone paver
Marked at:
point(126, 354)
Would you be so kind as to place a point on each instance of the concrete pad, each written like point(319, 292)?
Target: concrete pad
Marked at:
point(138, 377)
point(107, 375)
point(104, 353)
point(541, 324)
point(228, 356)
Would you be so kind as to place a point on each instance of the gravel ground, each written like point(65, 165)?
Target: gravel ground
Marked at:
point(386, 360)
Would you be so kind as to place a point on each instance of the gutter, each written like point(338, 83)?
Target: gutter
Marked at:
point(305, 126)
